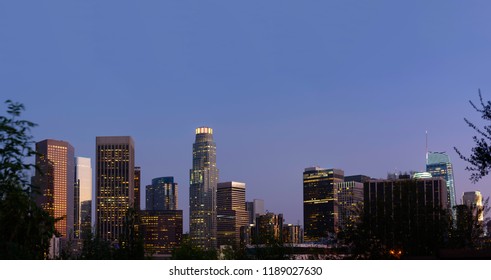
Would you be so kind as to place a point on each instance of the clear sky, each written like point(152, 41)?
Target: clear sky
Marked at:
point(284, 84)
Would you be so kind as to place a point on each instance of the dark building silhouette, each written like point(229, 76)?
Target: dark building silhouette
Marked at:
point(357, 178)
point(406, 213)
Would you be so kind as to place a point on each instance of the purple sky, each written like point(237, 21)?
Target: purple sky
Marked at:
point(285, 84)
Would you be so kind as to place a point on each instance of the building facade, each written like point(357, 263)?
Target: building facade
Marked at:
point(255, 208)
point(115, 171)
point(398, 212)
point(202, 190)
point(137, 188)
point(231, 212)
point(83, 191)
point(161, 231)
point(162, 194)
point(349, 201)
point(292, 234)
point(473, 200)
point(439, 165)
point(56, 182)
point(268, 229)
point(320, 209)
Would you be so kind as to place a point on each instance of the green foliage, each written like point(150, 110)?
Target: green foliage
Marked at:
point(131, 245)
point(468, 230)
point(403, 229)
point(189, 251)
point(95, 248)
point(480, 158)
point(25, 228)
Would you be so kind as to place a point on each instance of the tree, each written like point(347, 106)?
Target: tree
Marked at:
point(189, 251)
point(469, 224)
point(25, 229)
point(480, 158)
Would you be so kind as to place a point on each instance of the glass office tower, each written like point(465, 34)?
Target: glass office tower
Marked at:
point(202, 190)
point(55, 179)
point(161, 194)
point(439, 165)
point(320, 208)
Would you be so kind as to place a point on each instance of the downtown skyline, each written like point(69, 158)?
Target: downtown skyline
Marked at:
point(285, 87)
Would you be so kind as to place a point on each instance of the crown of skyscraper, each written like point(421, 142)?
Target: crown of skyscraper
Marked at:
point(204, 130)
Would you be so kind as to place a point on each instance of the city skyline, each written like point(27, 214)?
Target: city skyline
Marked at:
point(285, 87)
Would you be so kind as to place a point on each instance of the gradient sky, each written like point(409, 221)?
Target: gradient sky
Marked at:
point(284, 84)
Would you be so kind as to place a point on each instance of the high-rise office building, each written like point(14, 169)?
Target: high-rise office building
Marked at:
point(473, 200)
point(439, 165)
point(202, 190)
point(115, 171)
point(83, 190)
point(399, 211)
point(292, 234)
point(231, 212)
point(268, 229)
point(255, 208)
point(137, 188)
point(320, 209)
point(349, 201)
point(161, 194)
point(161, 231)
point(85, 218)
point(56, 182)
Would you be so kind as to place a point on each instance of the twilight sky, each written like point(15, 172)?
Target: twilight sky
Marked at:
point(284, 84)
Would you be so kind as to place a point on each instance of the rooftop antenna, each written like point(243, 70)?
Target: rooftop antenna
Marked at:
point(426, 146)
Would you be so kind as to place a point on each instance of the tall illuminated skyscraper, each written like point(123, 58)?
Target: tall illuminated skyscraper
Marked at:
point(439, 165)
point(320, 207)
point(83, 190)
point(203, 191)
point(55, 180)
point(115, 171)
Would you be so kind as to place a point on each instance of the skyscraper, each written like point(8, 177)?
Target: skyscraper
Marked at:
point(137, 188)
point(349, 200)
point(115, 171)
point(255, 208)
point(202, 191)
point(320, 209)
point(268, 229)
point(231, 212)
point(55, 180)
point(398, 212)
point(473, 200)
point(161, 194)
point(439, 165)
point(83, 191)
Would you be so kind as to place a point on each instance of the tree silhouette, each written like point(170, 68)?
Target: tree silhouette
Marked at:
point(25, 229)
point(480, 158)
